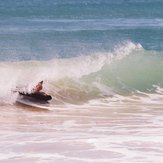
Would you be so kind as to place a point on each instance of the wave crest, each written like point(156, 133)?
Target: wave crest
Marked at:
point(124, 70)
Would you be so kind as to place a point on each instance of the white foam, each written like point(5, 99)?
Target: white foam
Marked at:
point(125, 49)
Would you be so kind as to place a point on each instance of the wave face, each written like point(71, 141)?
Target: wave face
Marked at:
point(126, 70)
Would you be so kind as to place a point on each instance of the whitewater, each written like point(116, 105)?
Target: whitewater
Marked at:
point(102, 63)
point(104, 109)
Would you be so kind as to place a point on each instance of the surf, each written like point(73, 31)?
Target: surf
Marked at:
point(126, 69)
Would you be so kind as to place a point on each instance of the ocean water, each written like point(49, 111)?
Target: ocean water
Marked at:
point(102, 63)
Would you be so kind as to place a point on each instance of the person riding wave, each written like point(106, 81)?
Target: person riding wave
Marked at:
point(38, 87)
point(36, 93)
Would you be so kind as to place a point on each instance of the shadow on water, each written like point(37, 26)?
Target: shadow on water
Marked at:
point(36, 108)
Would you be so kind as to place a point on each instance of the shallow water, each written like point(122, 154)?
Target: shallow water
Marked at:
point(116, 132)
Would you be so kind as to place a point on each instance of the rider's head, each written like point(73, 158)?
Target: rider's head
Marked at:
point(41, 82)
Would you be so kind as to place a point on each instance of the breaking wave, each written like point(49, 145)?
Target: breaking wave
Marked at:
point(125, 70)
